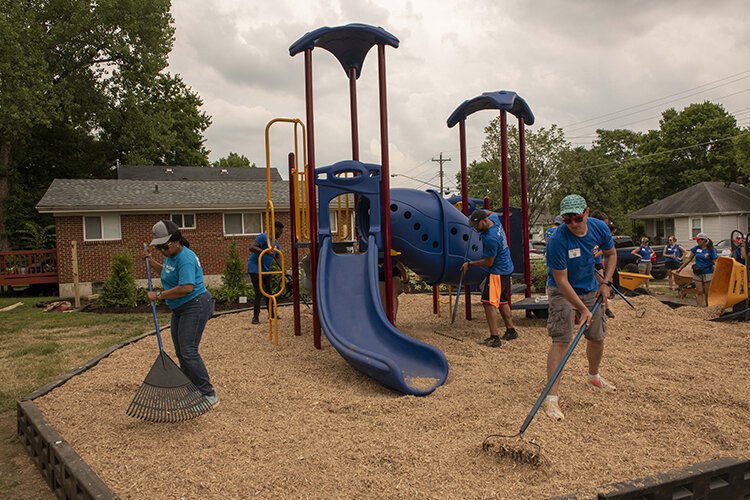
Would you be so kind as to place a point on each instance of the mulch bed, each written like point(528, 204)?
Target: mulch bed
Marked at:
point(296, 422)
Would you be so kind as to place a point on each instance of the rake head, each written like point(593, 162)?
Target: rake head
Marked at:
point(167, 395)
point(520, 451)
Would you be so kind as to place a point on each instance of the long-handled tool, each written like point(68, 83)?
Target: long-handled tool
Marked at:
point(461, 281)
point(639, 311)
point(167, 395)
point(530, 452)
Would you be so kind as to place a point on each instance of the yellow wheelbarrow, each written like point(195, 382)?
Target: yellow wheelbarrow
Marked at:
point(631, 281)
point(729, 284)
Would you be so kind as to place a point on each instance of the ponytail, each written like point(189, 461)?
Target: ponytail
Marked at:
point(710, 244)
point(177, 236)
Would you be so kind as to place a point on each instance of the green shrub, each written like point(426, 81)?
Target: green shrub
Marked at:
point(233, 281)
point(538, 275)
point(120, 289)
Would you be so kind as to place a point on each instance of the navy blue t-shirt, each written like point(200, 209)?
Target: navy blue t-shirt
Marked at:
point(704, 259)
point(252, 260)
point(674, 252)
point(645, 252)
point(568, 251)
point(494, 244)
point(738, 255)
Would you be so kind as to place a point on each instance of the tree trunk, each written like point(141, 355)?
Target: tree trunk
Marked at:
point(4, 168)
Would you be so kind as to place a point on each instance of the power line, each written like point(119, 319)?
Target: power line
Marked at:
point(665, 97)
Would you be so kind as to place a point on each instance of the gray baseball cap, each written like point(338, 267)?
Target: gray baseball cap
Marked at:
point(162, 231)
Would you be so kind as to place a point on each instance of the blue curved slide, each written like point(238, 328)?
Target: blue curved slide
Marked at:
point(353, 320)
point(348, 293)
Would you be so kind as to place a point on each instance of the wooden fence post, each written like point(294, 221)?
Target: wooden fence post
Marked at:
point(74, 257)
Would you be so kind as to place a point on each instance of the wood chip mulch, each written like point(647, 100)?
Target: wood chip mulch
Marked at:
point(296, 422)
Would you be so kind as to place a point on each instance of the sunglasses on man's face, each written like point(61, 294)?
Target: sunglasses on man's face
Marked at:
point(570, 218)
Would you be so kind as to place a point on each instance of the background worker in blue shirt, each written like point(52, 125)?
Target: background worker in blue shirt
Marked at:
point(705, 256)
point(672, 256)
point(551, 230)
point(572, 289)
point(260, 244)
point(497, 288)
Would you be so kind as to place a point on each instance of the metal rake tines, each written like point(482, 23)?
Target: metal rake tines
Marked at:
point(167, 404)
point(514, 448)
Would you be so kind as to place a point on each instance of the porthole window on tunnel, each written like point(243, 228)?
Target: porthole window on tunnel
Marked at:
point(474, 248)
point(435, 244)
point(407, 215)
point(465, 237)
point(417, 225)
point(425, 237)
point(454, 231)
point(394, 207)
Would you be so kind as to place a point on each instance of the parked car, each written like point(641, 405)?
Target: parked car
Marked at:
point(628, 262)
point(537, 247)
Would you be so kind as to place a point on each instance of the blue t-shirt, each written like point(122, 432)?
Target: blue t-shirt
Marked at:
point(674, 252)
point(704, 259)
point(494, 244)
point(548, 233)
point(575, 253)
point(645, 252)
point(738, 255)
point(182, 269)
point(252, 261)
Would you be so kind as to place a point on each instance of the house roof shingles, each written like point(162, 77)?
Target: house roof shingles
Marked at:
point(100, 195)
point(704, 198)
point(161, 173)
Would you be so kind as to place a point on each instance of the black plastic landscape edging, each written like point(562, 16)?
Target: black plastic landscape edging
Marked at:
point(64, 471)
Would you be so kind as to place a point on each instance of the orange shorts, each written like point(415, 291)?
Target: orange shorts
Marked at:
point(496, 290)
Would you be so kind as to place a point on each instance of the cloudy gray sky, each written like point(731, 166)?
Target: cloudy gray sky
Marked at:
point(582, 65)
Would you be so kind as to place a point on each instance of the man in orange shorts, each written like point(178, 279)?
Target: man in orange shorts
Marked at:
point(497, 288)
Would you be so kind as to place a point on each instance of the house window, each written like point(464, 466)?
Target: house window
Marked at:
point(659, 232)
point(101, 227)
point(668, 227)
point(696, 225)
point(184, 221)
point(238, 224)
point(348, 224)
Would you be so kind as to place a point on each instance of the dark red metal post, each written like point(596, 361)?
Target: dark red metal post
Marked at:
point(353, 110)
point(385, 185)
point(524, 210)
point(464, 199)
point(434, 299)
point(504, 173)
point(293, 238)
point(311, 198)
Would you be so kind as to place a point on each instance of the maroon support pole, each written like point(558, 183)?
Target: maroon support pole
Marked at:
point(385, 185)
point(524, 209)
point(311, 198)
point(353, 110)
point(464, 199)
point(434, 299)
point(295, 257)
point(504, 173)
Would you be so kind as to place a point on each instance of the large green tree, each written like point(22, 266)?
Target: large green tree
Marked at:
point(545, 153)
point(81, 86)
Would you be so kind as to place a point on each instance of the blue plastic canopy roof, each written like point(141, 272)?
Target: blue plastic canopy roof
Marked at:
point(502, 99)
point(349, 43)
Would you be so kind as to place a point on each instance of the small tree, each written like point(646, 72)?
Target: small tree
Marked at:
point(120, 289)
point(233, 283)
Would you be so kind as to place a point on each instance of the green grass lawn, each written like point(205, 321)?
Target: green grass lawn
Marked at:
point(35, 349)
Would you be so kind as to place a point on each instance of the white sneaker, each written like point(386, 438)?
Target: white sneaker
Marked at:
point(601, 384)
point(552, 409)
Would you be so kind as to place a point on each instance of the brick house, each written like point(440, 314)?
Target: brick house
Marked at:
point(212, 206)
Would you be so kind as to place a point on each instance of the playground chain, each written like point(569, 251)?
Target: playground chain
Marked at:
point(296, 422)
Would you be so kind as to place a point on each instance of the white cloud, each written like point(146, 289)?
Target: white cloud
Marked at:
point(571, 61)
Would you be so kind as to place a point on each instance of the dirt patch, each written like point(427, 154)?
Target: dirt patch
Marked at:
point(296, 422)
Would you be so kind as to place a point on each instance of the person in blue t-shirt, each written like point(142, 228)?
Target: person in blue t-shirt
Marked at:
point(705, 256)
point(497, 287)
point(186, 295)
point(672, 256)
point(740, 251)
point(572, 288)
point(257, 246)
point(644, 254)
point(550, 231)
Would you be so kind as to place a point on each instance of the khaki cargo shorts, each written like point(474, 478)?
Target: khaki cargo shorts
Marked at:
point(561, 318)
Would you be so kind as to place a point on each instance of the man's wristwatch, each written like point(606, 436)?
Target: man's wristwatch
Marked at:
point(158, 295)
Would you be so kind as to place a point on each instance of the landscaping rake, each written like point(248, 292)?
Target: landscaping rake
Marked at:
point(639, 311)
point(167, 395)
point(461, 281)
point(529, 452)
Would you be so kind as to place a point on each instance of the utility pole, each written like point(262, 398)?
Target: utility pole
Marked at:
point(441, 161)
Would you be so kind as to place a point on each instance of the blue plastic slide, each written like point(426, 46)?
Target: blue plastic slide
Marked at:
point(354, 322)
point(348, 294)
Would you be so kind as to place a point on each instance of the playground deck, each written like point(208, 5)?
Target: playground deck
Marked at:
point(296, 422)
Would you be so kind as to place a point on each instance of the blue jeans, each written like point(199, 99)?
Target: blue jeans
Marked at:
point(188, 322)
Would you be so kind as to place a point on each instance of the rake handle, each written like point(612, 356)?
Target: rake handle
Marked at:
point(460, 281)
point(153, 304)
point(559, 369)
point(618, 292)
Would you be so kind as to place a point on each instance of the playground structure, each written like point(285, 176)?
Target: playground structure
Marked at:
point(729, 286)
